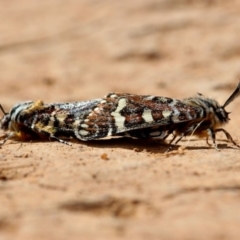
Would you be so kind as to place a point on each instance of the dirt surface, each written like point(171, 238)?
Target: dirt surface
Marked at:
point(61, 51)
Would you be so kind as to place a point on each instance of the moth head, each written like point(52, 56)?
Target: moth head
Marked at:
point(221, 112)
point(222, 115)
point(9, 119)
point(5, 119)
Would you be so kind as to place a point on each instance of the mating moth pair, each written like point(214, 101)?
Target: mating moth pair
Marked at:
point(119, 114)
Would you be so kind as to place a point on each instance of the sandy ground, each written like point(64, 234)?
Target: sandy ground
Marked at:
point(61, 51)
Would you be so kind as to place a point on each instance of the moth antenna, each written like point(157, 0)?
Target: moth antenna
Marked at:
point(2, 109)
point(234, 95)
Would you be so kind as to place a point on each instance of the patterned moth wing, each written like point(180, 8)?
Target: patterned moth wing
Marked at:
point(135, 116)
point(29, 119)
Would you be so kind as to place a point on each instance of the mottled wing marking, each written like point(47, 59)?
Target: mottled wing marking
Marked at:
point(118, 113)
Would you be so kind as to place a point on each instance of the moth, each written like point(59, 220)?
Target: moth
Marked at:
point(119, 114)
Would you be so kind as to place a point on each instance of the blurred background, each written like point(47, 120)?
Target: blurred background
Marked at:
point(82, 49)
point(57, 50)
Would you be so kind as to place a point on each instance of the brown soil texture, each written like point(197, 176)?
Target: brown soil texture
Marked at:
point(63, 51)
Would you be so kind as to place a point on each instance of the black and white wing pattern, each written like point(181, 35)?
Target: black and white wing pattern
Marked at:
point(124, 114)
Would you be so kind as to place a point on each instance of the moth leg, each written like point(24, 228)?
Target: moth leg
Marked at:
point(60, 140)
point(170, 143)
point(169, 132)
point(8, 136)
point(187, 132)
point(228, 136)
point(211, 133)
point(208, 142)
point(178, 140)
point(15, 133)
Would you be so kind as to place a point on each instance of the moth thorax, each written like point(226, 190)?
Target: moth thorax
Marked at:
point(212, 110)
